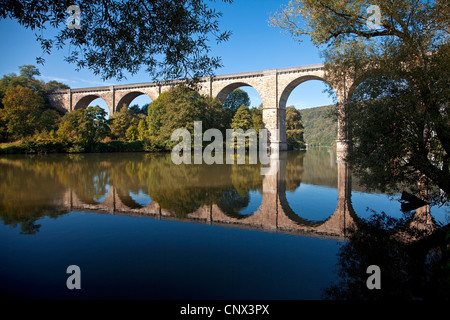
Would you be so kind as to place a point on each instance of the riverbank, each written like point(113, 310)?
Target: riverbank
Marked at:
point(56, 146)
point(44, 147)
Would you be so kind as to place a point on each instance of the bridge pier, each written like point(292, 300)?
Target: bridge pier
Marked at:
point(274, 120)
point(344, 211)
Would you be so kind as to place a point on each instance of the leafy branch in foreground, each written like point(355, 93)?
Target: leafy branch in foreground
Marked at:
point(397, 78)
point(170, 38)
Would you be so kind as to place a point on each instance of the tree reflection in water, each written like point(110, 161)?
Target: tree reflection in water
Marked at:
point(414, 261)
point(31, 185)
point(27, 192)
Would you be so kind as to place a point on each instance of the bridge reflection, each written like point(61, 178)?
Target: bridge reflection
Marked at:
point(216, 194)
point(274, 212)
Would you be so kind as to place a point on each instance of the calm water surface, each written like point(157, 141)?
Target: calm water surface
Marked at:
point(141, 227)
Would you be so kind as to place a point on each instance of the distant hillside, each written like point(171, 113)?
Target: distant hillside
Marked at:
point(320, 127)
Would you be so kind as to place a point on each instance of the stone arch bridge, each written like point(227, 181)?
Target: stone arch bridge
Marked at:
point(274, 87)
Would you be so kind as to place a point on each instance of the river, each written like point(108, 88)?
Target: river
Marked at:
point(140, 227)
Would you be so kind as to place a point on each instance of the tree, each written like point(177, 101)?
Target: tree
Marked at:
point(85, 126)
point(27, 110)
point(142, 129)
point(235, 99)
point(242, 119)
point(172, 110)
point(398, 110)
point(54, 85)
point(294, 128)
point(49, 120)
point(215, 115)
point(137, 110)
point(21, 111)
point(26, 79)
point(293, 119)
point(132, 133)
point(121, 121)
point(257, 121)
point(320, 128)
point(169, 38)
point(3, 129)
point(179, 108)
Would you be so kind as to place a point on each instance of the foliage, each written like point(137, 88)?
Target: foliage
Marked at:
point(319, 127)
point(242, 119)
point(414, 264)
point(138, 110)
point(118, 146)
point(294, 129)
point(49, 120)
point(21, 111)
point(294, 139)
point(398, 110)
point(215, 115)
point(27, 108)
point(175, 35)
point(293, 119)
point(257, 121)
point(54, 85)
point(121, 121)
point(26, 79)
point(142, 129)
point(132, 133)
point(235, 99)
point(153, 144)
point(179, 108)
point(85, 126)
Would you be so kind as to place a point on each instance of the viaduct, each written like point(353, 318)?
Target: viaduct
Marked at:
point(274, 87)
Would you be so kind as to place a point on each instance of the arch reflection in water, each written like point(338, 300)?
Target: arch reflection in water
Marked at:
point(314, 195)
point(140, 198)
point(223, 194)
point(151, 185)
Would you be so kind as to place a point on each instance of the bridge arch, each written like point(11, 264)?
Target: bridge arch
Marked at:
point(293, 216)
point(103, 201)
point(128, 98)
point(240, 207)
point(225, 91)
point(291, 86)
point(128, 201)
point(85, 101)
point(289, 182)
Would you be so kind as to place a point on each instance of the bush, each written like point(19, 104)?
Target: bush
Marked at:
point(153, 144)
point(35, 146)
point(294, 139)
point(118, 146)
point(76, 148)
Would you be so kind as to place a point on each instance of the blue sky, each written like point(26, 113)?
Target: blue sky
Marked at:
point(254, 45)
